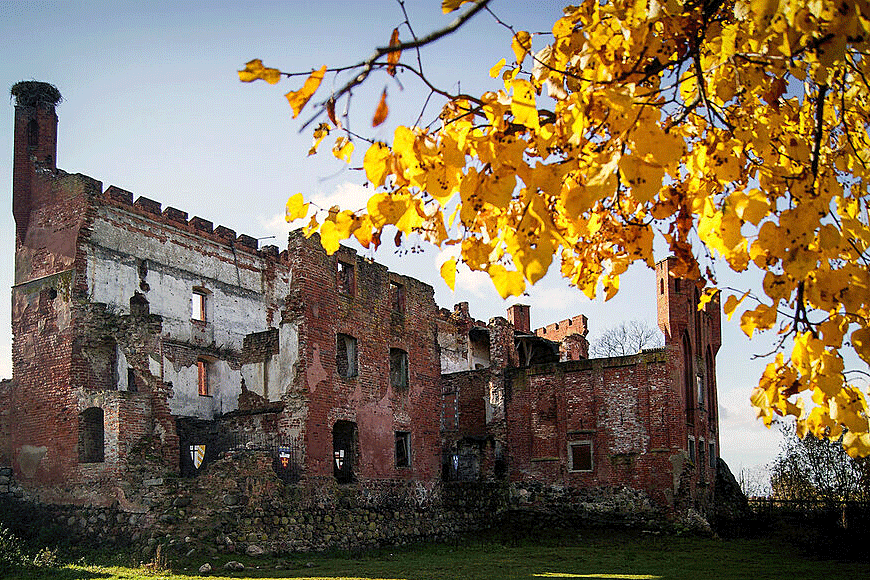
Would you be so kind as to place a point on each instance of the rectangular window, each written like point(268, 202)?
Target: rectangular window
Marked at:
point(202, 368)
point(699, 380)
point(345, 278)
point(397, 297)
point(345, 356)
point(198, 302)
point(713, 456)
point(691, 449)
point(131, 381)
point(403, 449)
point(398, 368)
point(580, 456)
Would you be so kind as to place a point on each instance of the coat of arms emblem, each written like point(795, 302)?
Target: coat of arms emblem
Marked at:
point(197, 454)
point(284, 456)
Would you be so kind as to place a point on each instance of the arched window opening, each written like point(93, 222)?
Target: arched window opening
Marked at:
point(688, 379)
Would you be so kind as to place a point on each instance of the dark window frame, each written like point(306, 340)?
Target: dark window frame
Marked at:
point(345, 277)
point(403, 449)
point(346, 355)
point(399, 371)
point(587, 459)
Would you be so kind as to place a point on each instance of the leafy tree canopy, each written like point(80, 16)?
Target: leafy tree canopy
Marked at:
point(731, 129)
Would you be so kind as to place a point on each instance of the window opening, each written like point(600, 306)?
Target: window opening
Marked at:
point(202, 372)
point(346, 356)
point(688, 378)
point(32, 136)
point(691, 449)
point(700, 382)
point(397, 297)
point(344, 439)
point(345, 278)
point(91, 436)
point(580, 456)
point(398, 368)
point(712, 456)
point(198, 304)
point(131, 380)
point(403, 449)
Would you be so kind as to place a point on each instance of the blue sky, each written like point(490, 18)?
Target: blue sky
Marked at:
point(153, 104)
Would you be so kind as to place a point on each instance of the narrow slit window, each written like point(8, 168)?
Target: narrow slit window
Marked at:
point(202, 371)
point(403, 449)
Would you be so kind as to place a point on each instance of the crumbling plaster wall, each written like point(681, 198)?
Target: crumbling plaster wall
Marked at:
point(129, 254)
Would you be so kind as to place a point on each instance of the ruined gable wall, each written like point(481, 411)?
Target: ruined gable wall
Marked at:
point(368, 399)
point(136, 249)
point(621, 405)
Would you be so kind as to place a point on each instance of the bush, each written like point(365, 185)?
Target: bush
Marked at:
point(12, 555)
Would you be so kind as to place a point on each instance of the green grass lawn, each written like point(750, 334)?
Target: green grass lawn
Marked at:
point(586, 554)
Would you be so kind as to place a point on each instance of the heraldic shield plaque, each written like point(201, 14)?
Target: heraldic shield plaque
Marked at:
point(197, 455)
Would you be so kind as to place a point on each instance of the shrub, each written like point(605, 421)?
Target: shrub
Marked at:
point(12, 555)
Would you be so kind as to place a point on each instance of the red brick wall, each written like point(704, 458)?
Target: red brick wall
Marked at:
point(624, 406)
point(367, 399)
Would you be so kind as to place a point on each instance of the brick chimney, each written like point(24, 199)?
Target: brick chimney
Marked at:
point(518, 315)
point(35, 145)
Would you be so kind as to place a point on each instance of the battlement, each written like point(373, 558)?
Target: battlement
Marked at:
point(176, 218)
point(559, 330)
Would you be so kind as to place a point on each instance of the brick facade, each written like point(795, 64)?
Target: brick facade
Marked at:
point(141, 334)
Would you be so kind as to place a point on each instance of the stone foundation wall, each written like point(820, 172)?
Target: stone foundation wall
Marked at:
point(240, 506)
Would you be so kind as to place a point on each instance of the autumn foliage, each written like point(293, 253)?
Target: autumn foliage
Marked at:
point(731, 129)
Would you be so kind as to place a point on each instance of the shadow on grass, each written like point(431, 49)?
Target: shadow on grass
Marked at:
point(52, 573)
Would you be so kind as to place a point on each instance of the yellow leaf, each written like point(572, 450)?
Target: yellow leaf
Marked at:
point(448, 272)
point(298, 99)
point(706, 297)
point(493, 72)
point(451, 5)
point(523, 104)
point(296, 208)
point(255, 70)
point(644, 178)
point(751, 207)
point(342, 149)
point(506, 282)
point(762, 317)
point(376, 163)
point(382, 111)
point(393, 57)
point(320, 133)
point(861, 343)
point(521, 45)
point(329, 237)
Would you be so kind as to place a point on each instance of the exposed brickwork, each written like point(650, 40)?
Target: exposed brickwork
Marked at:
point(139, 333)
point(635, 415)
